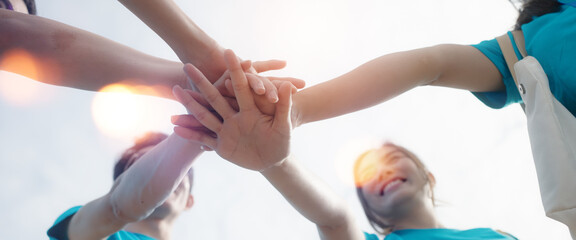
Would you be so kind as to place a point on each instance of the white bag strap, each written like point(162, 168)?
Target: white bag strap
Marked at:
point(508, 50)
point(510, 54)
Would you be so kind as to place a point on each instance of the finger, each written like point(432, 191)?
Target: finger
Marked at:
point(256, 83)
point(210, 93)
point(187, 121)
point(298, 83)
point(239, 82)
point(233, 103)
point(246, 65)
point(228, 84)
point(199, 98)
point(220, 85)
point(263, 66)
point(204, 116)
point(278, 83)
point(199, 136)
point(271, 90)
point(282, 117)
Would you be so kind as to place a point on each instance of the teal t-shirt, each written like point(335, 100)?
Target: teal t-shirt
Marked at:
point(444, 234)
point(58, 231)
point(551, 39)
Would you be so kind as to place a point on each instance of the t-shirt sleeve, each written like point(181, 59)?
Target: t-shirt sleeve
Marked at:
point(499, 99)
point(59, 231)
point(369, 236)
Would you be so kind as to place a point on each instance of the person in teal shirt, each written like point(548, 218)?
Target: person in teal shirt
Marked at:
point(152, 188)
point(449, 65)
point(550, 38)
point(394, 187)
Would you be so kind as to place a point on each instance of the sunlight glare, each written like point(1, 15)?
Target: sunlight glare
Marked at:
point(347, 156)
point(21, 62)
point(120, 113)
point(14, 85)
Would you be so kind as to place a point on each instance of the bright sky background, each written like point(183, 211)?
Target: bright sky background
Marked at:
point(54, 154)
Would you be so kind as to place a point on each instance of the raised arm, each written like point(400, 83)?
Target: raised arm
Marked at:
point(314, 200)
point(138, 191)
point(388, 76)
point(189, 42)
point(71, 57)
point(192, 45)
point(254, 140)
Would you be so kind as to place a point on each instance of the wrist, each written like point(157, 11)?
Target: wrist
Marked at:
point(209, 60)
point(296, 113)
point(277, 167)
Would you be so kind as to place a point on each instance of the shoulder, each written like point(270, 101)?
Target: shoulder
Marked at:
point(59, 230)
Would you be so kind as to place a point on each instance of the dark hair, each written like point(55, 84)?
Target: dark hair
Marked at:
point(534, 8)
point(375, 221)
point(133, 153)
point(31, 5)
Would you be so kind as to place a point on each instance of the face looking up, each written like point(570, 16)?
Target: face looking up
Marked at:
point(392, 181)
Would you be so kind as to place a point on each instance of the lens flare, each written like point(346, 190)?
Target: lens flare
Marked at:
point(365, 169)
point(118, 112)
point(348, 154)
point(20, 62)
point(16, 86)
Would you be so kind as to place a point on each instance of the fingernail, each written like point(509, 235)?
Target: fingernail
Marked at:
point(274, 99)
point(260, 88)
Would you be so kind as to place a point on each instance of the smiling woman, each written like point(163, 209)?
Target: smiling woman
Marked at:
point(389, 180)
point(396, 192)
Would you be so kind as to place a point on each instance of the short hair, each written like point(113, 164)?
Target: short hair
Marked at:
point(132, 154)
point(30, 5)
point(377, 224)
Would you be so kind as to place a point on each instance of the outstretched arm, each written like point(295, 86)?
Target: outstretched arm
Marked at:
point(67, 56)
point(138, 191)
point(192, 45)
point(314, 200)
point(189, 42)
point(254, 140)
point(390, 75)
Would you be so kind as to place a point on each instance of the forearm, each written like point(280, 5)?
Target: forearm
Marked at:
point(147, 184)
point(447, 65)
point(67, 56)
point(371, 83)
point(138, 191)
point(313, 199)
point(189, 42)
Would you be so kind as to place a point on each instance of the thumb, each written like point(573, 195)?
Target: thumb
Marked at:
point(284, 106)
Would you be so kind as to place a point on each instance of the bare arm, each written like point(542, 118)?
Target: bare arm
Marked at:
point(138, 191)
point(388, 76)
point(71, 57)
point(189, 42)
point(254, 140)
point(314, 200)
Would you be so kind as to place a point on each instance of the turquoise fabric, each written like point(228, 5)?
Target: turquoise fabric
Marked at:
point(570, 2)
point(444, 234)
point(551, 39)
point(121, 235)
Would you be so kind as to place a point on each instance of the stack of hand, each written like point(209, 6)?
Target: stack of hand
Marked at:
point(235, 118)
